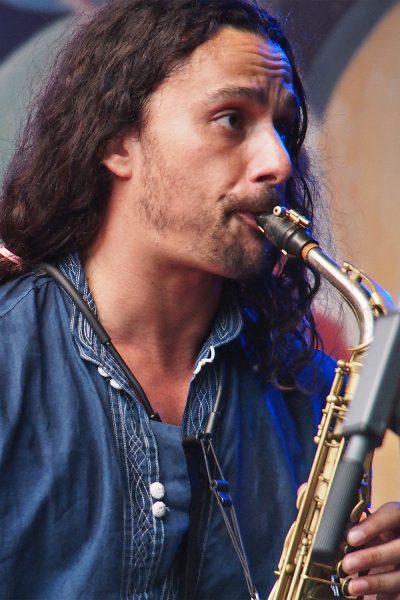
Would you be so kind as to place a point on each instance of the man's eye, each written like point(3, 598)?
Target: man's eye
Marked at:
point(285, 130)
point(232, 120)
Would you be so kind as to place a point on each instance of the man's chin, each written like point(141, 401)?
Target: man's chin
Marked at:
point(242, 266)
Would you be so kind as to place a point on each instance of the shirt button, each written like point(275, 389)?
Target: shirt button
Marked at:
point(102, 372)
point(159, 509)
point(157, 490)
point(115, 384)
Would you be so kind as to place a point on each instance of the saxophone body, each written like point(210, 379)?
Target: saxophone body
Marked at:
point(298, 576)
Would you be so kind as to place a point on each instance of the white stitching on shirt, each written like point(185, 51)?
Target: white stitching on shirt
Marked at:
point(203, 361)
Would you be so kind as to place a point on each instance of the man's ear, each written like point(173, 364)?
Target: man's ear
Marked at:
point(119, 154)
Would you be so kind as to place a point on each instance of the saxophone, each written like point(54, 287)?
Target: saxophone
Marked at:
point(299, 578)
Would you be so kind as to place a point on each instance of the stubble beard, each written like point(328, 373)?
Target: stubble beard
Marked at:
point(237, 260)
point(214, 239)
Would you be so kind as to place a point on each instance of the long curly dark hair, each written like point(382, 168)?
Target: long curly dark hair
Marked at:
point(56, 189)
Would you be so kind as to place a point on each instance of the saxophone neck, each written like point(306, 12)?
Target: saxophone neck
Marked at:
point(289, 231)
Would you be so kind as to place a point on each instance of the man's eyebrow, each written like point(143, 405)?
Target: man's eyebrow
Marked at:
point(255, 94)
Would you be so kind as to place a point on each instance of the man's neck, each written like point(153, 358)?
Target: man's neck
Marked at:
point(163, 310)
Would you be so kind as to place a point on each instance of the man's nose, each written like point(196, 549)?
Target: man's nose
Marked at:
point(269, 161)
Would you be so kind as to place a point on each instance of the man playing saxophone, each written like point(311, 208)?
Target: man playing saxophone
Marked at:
point(165, 128)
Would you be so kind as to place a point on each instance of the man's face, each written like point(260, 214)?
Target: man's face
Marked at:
point(212, 154)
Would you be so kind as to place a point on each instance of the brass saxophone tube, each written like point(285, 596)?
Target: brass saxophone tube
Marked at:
point(348, 288)
point(298, 577)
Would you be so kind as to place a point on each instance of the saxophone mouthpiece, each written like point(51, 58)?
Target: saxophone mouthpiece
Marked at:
point(287, 230)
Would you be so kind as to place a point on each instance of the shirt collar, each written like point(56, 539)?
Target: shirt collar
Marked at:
point(87, 341)
point(226, 327)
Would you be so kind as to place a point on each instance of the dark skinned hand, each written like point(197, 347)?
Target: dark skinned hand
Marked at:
point(379, 536)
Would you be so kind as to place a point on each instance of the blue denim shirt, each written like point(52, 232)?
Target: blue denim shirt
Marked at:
point(78, 455)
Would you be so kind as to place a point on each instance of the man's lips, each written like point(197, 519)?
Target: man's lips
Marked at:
point(250, 218)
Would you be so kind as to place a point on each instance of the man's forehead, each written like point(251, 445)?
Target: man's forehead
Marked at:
point(232, 63)
point(236, 52)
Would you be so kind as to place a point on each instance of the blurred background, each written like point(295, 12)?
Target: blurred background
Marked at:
point(348, 52)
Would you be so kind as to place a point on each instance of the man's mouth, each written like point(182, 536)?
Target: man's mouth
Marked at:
point(250, 218)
